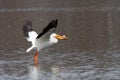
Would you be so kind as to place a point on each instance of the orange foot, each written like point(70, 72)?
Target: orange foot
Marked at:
point(36, 58)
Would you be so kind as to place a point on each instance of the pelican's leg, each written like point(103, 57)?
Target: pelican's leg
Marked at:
point(36, 58)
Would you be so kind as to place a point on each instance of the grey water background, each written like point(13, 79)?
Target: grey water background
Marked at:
point(92, 51)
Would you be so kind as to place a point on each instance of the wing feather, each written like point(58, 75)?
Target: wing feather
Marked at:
point(51, 27)
point(27, 27)
point(28, 32)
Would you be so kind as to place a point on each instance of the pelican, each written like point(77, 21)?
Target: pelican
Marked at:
point(44, 39)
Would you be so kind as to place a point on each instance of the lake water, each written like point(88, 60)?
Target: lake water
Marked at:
point(92, 51)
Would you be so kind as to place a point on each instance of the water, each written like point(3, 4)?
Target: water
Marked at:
point(92, 51)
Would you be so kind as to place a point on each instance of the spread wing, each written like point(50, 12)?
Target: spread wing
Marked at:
point(28, 31)
point(48, 30)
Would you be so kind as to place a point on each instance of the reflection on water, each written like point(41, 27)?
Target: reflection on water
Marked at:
point(34, 72)
point(54, 73)
point(38, 73)
point(91, 53)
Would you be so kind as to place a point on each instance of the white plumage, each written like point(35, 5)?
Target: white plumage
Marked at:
point(43, 42)
point(32, 37)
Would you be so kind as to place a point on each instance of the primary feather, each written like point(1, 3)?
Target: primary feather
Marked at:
point(27, 27)
point(50, 28)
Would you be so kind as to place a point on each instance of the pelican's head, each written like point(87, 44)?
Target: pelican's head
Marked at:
point(55, 37)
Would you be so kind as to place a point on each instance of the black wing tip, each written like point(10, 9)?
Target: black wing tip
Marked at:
point(52, 24)
point(29, 22)
point(27, 27)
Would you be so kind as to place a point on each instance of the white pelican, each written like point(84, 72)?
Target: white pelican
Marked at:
point(46, 38)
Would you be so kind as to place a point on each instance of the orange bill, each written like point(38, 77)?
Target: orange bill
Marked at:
point(61, 37)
